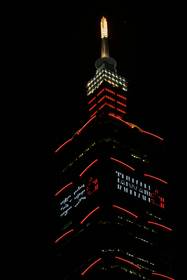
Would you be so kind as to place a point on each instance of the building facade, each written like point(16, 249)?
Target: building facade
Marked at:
point(112, 198)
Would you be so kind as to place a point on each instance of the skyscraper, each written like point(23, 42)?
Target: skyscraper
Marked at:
point(112, 197)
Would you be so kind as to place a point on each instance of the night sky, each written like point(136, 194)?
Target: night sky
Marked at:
point(55, 49)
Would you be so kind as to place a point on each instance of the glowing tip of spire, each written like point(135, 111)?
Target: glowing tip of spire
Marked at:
point(104, 28)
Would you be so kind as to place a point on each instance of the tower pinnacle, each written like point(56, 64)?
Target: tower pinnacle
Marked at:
point(104, 38)
point(104, 28)
point(105, 60)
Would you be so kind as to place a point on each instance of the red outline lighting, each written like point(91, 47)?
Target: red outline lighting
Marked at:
point(91, 100)
point(101, 99)
point(63, 235)
point(156, 178)
point(129, 262)
point(109, 105)
point(101, 91)
point(63, 189)
point(126, 123)
point(92, 163)
point(125, 210)
point(159, 225)
point(122, 163)
point(134, 125)
point(81, 129)
point(92, 107)
point(110, 98)
point(61, 146)
point(111, 91)
point(89, 214)
point(152, 134)
point(121, 111)
point(162, 275)
point(121, 96)
point(122, 104)
point(90, 266)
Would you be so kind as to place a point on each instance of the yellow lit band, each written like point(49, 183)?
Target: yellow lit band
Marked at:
point(104, 28)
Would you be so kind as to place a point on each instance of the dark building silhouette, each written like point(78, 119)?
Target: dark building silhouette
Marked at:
point(112, 198)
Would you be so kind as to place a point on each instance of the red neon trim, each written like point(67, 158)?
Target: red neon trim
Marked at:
point(61, 146)
point(159, 225)
point(90, 266)
point(109, 105)
point(94, 114)
point(126, 123)
point(122, 104)
point(110, 98)
point(91, 100)
point(63, 189)
point(92, 163)
point(111, 91)
point(63, 235)
point(152, 134)
point(140, 129)
point(81, 129)
point(101, 91)
point(156, 178)
point(121, 111)
point(125, 210)
point(98, 110)
point(101, 99)
point(162, 275)
point(92, 107)
point(121, 96)
point(89, 214)
point(126, 261)
point(122, 163)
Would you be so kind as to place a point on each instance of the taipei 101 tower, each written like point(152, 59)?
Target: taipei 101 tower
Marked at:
point(111, 195)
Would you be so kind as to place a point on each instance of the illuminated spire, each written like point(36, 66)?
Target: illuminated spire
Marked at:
point(104, 38)
point(104, 28)
point(105, 60)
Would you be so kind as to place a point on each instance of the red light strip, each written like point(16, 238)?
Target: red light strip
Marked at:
point(61, 146)
point(92, 163)
point(64, 188)
point(122, 104)
point(110, 98)
point(126, 261)
point(81, 129)
point(152, 134)
point(156, 178)
point(101, 99)
point(121, 96)
point(122, 163)
point(92, 107)
point(94, 114)
point(91, 100)
point(159, 225)
point(109, 105)
point(90, 266)
point(101, 91)
point(112, 115)
point(111, 91)
point(140, 129)
point(162, 275)
point(87, 216)
point(125, 210)
point(62, 236)
point(121, 111)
